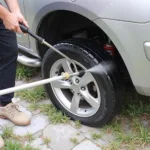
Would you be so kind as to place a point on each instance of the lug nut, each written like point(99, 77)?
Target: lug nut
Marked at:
point(77, 80)
point(83, 88)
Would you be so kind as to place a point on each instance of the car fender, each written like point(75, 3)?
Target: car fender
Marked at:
point(105, 9)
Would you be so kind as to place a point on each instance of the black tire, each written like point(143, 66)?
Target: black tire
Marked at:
point(109, 83)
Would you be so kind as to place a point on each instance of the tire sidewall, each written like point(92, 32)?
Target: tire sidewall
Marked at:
point(103, 81)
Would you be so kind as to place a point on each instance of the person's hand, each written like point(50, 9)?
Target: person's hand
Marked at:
point(21, 19)
point(11, 22)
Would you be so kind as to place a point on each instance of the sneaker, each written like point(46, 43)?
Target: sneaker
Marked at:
point(12, 112)
point(1, 143)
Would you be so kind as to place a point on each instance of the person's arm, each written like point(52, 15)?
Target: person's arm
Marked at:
point(15, 9)
point(12, 18)
point(13, 6)
point(3, 12)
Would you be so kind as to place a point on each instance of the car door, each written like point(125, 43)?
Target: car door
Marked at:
point(22, 40)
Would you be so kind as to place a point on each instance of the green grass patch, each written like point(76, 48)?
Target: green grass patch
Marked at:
point(32, 95)
point(96, 136)
point(143, 135)
point(74, 140)
point(7, 132)
point(135, 105)
point(125, 138)
point(128, 128)
point(114, 127)
point(15, 145)
point(29, 137)
point(25, 72)
point(54, 115)
point(78, 124)
point(115, 145)
point(46, 140)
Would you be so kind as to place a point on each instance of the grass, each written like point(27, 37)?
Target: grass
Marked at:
point(7, 132)
point(46, 140)
point(128, 129)
point(96, 136)
point(32, 95)
point(125, 138)
point(54, 115)
point(29, 137)
point(12, 145)
point(77, 124)
point(115, 126)
point(74, 140)
point(24, 72)
point(14, 142)
point(115, 145)
point(15, 145)
point(144, 135)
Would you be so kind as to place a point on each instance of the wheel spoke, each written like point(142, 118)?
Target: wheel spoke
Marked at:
point(61, 84)
point(86, 79)
point(90, 99)
point(66, 66)
point(75, 103)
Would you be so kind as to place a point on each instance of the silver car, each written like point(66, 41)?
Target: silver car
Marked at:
point(90, 32)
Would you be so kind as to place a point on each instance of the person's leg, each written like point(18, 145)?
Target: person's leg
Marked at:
point(8, 62)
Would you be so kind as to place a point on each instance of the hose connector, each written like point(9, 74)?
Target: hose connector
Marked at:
point(66, 75)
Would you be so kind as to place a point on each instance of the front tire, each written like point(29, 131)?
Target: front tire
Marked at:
point(95, 108)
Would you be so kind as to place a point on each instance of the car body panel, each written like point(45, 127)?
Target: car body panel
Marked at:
point(110, 9)
point(22, 40)
point(129, 38)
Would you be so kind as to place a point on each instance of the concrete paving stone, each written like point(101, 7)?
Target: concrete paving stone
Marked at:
point(145, 123)
point(104, 141)
point(19, 82)
point(35, 78)
point(46, 101)
point(24, 103)
point(38, 134)
point(38, 123)
point(60, 136)
point(5, 122)
point(38, 143)
point(108, 138)
point(83, 128)
point(91, 131)
point(86, 145)
point(23, 109)
point(144, 148)
point(44, 148)
point(16, 99)
point(35, 112)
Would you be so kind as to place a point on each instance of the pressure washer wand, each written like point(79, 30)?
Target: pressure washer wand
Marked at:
point(42, 41)
point(64, 76)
